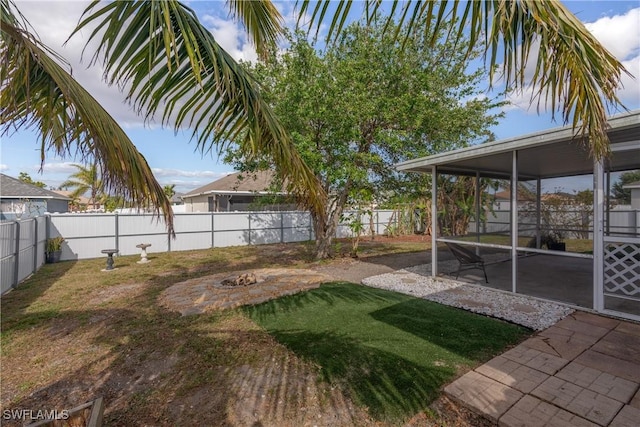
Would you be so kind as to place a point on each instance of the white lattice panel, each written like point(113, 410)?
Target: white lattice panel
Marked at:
point(622, 269)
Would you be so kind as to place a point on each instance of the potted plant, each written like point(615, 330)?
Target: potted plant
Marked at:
point(54, 249)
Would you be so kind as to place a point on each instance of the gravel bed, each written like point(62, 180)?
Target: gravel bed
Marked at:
point(416, 281)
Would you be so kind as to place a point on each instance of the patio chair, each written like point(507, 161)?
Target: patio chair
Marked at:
point(467, 259)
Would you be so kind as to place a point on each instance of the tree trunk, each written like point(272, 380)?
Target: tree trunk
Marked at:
point(326, 222)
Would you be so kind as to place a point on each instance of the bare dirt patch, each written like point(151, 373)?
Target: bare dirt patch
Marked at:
point(71, 334)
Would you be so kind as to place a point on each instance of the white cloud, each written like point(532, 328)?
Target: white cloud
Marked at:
point(231, 37)
point(630, 92)
point(4, 167)
point(620, 34)
point(177, 172)
point(58, 167)
point(54, 22)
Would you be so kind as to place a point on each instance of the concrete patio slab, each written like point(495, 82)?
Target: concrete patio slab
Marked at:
point(611, 364)
point(513, 374)
point(483, 394)
point(583, 371)
point(533, 412)
point(628, 416)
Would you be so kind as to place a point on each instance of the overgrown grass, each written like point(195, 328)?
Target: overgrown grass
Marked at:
point(390, 352)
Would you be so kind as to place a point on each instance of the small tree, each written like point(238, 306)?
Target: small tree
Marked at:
point(26, 178)
point(169, 190)
point(623, 195)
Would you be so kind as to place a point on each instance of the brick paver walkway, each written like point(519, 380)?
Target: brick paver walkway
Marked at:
point(204, 294)
point(583, 371)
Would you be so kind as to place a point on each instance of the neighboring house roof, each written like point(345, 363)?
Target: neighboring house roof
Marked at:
point(237, 183)
point(67, 193)
point(12, 188)
point(631, 185)
point(505, 195)
point(177, 198)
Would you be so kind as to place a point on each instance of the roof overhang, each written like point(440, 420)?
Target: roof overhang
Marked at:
point(547, 154)
point(27, 198)
point(233, 193)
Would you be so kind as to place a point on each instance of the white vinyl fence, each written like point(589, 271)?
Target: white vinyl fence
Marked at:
point(86, 235)
point(620, 222)
point(22, 246)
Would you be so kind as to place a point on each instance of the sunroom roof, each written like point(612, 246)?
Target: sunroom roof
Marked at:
point(547, 154)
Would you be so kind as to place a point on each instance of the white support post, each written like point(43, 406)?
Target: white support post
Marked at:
point(607, 203)
point(478, 212)
point(514, 220)
point(598, 236)
point(434, 222)
point(538, 210)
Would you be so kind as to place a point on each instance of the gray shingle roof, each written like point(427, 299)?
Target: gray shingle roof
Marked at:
point(250, 182)
point(12, 188)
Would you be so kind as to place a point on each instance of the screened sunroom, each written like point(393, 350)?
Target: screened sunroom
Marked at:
point(599, 266)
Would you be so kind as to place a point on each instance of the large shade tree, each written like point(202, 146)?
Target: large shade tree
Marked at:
point(573, 74)
point(171, 64)
point(352, 121)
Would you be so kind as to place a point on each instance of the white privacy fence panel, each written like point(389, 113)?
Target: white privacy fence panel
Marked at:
point(624, 222)
point(22, 245)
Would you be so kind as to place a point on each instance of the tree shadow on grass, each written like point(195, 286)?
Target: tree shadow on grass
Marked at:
point(472, 336)
point(358, 338)
point(391, 387)
point(329, 293)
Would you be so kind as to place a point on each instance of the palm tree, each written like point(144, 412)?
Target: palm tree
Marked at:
point(172, 64)
point(170, 60)
point(85, 179)
point(169, 190)
point(37, 91)
point(573, 71)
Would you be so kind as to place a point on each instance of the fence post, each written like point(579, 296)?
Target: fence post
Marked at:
point(281, 227)
point(35, 245)
point(213, 230)
point(310, 226)
point(249, 229)
point(16, 273)
point(117, 230)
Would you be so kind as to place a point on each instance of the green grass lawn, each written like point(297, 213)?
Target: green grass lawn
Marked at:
point(390, 352)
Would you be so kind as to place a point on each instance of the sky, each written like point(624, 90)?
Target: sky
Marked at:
point(175, 160)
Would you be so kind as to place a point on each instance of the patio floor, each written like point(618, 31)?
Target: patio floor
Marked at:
point(583, 371)
point(557, 278)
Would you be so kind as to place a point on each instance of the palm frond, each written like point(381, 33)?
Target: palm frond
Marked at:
point(174, 65)
point(574, 74)
point(263, 22)
point(37, 91)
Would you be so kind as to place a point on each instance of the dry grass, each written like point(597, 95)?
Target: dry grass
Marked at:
point(71, 333)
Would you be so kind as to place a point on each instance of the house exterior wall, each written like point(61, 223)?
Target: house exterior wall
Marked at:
point(197, 204)
point(11, 209)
